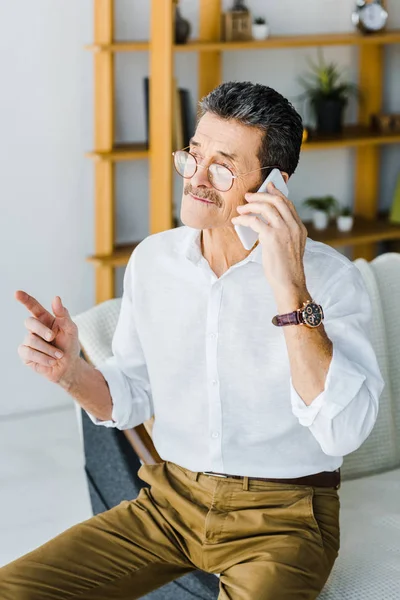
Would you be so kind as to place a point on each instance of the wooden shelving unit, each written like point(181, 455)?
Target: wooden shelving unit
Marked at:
point(368, 229)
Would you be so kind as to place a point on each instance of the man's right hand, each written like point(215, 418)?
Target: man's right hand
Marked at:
point(48, 335)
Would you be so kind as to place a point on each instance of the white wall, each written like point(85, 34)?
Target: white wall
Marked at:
point(46, 190)
point(46, 184)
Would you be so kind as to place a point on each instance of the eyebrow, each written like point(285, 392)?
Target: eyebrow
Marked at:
point(193, 142)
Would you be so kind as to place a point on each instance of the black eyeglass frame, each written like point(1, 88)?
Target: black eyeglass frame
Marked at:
point(225, 167)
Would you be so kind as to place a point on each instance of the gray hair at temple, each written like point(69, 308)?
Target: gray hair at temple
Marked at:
point(260, 106)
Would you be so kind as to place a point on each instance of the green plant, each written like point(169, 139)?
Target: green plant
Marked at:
point(324, 82)
point(325, 203)
point(345, 211)
point(260, 21)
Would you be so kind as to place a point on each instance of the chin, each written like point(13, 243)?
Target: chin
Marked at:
point(196, 217)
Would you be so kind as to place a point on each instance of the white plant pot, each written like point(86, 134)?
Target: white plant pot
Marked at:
point(320, 219)
point(259, 32)
point(344, 222)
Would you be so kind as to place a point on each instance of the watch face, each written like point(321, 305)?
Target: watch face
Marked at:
point(373, 16)
point(312, 315)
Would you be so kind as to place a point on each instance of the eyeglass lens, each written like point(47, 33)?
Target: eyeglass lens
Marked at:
point(219, 176)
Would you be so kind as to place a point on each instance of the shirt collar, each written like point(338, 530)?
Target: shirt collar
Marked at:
point(190, 248)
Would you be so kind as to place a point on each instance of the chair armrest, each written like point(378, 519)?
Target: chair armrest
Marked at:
point(142, 444)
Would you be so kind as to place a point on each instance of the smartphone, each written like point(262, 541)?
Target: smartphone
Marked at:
point(247, 235)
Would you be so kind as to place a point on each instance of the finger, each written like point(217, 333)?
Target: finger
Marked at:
point(266, 210)
point(35, 326)
point(280, 206)
point(29, 355)
point(275, 192)
point(250, 221)
point(62, 314)
point(35, 342)
point(278, 199)
point(35, 308)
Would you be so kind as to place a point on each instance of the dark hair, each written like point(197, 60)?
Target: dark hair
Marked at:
point(260, 106)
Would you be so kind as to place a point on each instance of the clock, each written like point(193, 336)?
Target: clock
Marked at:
point(370, 16)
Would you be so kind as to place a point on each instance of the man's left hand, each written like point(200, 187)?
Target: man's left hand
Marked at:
point(283, 240)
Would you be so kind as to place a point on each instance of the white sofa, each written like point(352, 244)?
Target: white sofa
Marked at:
point(368, 565)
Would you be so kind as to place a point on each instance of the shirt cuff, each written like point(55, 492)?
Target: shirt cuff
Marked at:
point(343, 381)
point(120, 395)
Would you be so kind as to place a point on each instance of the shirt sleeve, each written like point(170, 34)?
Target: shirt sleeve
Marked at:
point(344, 414)
point(125, 371)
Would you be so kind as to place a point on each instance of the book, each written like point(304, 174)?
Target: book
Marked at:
point(183, 121)
point(146, 86)
point(187, 118)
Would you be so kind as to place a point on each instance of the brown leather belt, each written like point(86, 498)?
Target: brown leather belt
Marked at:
point(329, 479)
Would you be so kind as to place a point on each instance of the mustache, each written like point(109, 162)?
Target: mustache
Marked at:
point(207, 194)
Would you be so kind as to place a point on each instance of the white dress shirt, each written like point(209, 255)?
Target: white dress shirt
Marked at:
point(201, 354)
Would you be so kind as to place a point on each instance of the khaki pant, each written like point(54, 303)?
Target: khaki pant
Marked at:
point(268, 541)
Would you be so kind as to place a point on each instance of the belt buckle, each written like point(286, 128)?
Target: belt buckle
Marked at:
point(214, 474)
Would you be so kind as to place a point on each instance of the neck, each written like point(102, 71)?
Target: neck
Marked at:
point(222, 249)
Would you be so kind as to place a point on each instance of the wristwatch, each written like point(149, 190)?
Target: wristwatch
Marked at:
point(310, 314)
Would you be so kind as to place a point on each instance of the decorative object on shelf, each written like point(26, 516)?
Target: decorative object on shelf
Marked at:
point(344, 219)
point(239, 6)
point(370, 16)
point(327, 95)
point(259, 29)
point(322, 207)
point(385, 123)
point(394, 216)
point(182, 26)
point(236, 23)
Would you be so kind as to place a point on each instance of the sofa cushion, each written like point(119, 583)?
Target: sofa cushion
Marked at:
point(368, 565)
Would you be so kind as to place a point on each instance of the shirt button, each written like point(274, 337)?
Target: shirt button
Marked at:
point(213, 336)
point(214, 382)
point(215, 434)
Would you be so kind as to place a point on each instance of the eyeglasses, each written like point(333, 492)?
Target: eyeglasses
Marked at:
point(220, 176)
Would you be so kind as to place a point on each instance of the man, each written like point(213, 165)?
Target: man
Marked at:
point(254, 409)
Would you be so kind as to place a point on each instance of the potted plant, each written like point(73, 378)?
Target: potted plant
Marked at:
point(259, 29)
point(344, 219)
point(327, 95)
point(322, 207)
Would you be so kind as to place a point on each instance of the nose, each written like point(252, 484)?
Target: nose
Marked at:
point(200, 178)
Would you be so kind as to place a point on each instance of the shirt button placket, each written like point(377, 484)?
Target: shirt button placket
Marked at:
point(215, 412)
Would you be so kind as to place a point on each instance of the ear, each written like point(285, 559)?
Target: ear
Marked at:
point(285, 176)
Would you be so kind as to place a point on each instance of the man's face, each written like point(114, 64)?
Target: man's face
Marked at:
point(228, 143)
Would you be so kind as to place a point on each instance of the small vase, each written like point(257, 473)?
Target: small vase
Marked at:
point(239, 5)
point(344, 222)
point(259, 32)
point(182, 28)
point(320, 219)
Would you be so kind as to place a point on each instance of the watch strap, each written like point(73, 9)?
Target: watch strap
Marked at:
point(292, 318)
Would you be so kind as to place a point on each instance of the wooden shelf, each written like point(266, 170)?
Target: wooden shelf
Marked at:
point(122, 152)
point(119, 258)
point(119, 47)
point(364, 231)
point(287, 41)
point(353, 135)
